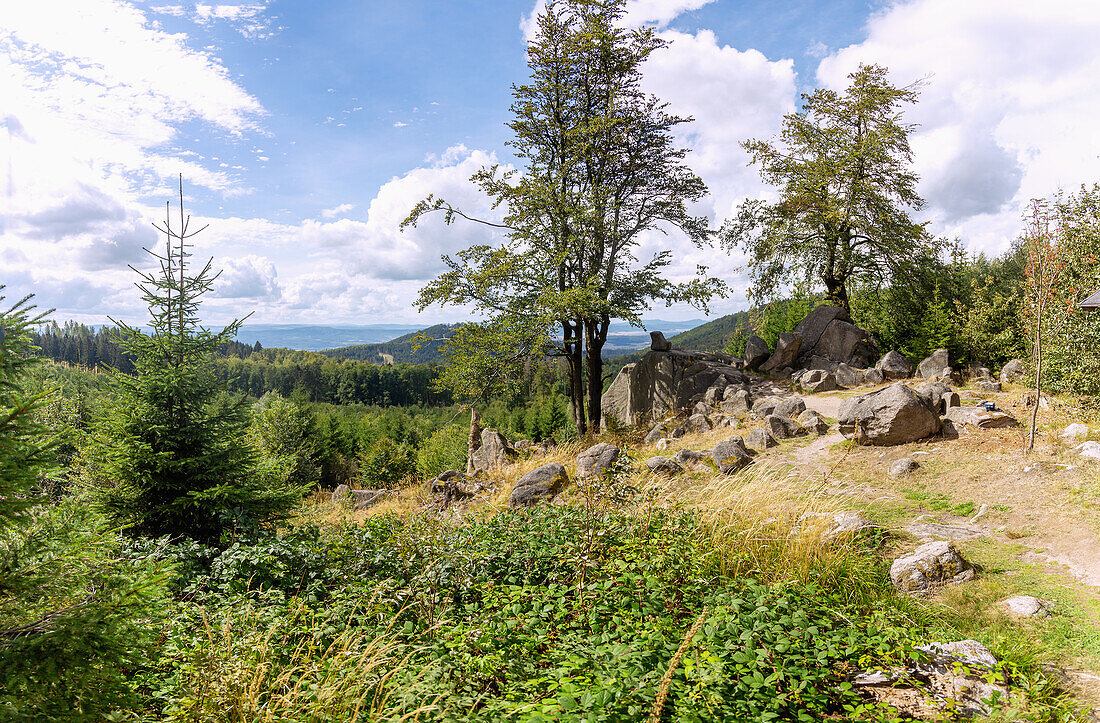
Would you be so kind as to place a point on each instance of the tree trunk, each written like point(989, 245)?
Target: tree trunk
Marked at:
point(595, 335)
point(576, 374)
point(475, 439)
point(1038, 376)
point(837, 292)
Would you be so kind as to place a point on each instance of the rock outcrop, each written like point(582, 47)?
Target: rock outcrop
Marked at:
point(597, 459)
point(786, 353)
point(894, 366)
point(828, 332)
point(894, 415)
point(538, 485)
point(665, 382)
point(931, 565)
point(934, 366)
point(495, 452)
point(756, 352)
point(1013, 372)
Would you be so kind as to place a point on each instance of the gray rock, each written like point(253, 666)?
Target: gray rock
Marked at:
point(977, 372)
point(786, 353)
point(664, 383)
point(989, 386)
point(340, 492)
point(813, 327)
point(1076, 432)
point(523, 445)
point(687, 457)
point(818, 380)
point(820, 362)
point(931, 565)
point(933, 393)
point(948, 400)
point(890, 416)
point(735, 403)
point(934, 365)
point(663, 444)
point(790, 407)
point(678, 432)
point(874, 376)
point(1026, 606)
point(597, 460)
point(813, 422)
point(1013, 372)
point(760, 440)
point(659, 430)
point(903, 466)
point(756, 352)
point(698, 423)
point(658, 342)
point(848, 377)
point(980, 418)
point(663, 465)
point(700, 408)
point(894, 366)
point(360, 499)
point(731, 455)
point(1088, 449)
point(538, 485)
point(839, 523)
point(782, 427)
point(970, 653)
point(494, 452)
point(845, 342)
point(714, 395)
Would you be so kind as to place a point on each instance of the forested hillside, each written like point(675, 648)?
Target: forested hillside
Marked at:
point(419, 347)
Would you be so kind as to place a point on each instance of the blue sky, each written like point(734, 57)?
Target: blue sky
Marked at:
point(306, 130)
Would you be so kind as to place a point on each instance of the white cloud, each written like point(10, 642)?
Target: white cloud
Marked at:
point(247, 277)
point(337, 211)
point(1006, 113)
point(247, 19)
point(638, 13)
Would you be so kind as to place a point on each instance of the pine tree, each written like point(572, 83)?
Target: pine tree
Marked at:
point(26, 445)
point(172, 454)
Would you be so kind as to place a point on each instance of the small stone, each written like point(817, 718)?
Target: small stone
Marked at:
point(540, 484)
point(597, 459)
point(1089, 449)
point(929, 566)
point(989, 386)
point(1013, 372)
point(874, 377)
point(714, 395)
point(813, 422)
point(656, 433)
point(903, 466)
point(782, 427)
point(698, 423)
point(1026, 606)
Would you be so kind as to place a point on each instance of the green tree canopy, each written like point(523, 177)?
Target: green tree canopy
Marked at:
point(842, 169)
point(601, 169)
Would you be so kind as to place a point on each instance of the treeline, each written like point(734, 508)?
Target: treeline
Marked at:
point(419, 347)
point(256, 371)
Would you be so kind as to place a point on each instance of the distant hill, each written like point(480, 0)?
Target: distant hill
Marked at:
point(713, 335)
point(314, 337)
point(401, 349)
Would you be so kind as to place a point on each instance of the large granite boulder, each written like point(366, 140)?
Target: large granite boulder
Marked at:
point(849, 377)
point(931, 565)
point(894, 366)
point(786, 353)
point(597, 459)
point(495, 452)
point(934, 366)
point(756, 352)
point(760, 440)
point(731, 455)
point(1013, 372)
point(934, 393)
point(813, 422)
point(828, 332)
point(658, 342)
point(541, 483)
point(817, 380)
point(894, 415)
point(664, 383)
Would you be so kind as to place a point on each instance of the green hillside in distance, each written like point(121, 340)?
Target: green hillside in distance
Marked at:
point(407, 348)
point(713, 335)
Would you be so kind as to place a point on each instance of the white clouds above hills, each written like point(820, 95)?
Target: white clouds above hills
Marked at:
point(1007, 108)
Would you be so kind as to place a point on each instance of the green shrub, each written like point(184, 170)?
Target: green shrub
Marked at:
point(445, 449)
point(386, 463)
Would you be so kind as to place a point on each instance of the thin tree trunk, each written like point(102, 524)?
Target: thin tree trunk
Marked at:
point(576, 374)
point(474, 442)
point(1038, 376)
point(595, 334)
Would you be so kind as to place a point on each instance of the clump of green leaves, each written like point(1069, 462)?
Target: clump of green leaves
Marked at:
point(446, 449)
point(386, 463)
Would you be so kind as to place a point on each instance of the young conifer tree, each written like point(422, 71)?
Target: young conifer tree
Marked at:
point(172, 453)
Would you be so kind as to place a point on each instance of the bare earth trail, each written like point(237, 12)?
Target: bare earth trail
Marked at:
point(1043, 498)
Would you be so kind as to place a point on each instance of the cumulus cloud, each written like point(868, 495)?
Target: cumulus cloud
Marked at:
point(121, 248)
point(638, 13)
point(248, 19)
point(1003, 111)
point(247, 277)
point(337, 211)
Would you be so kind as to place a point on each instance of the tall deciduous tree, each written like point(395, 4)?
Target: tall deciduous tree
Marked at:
point(842, 169)
point(601, 169)
point(171, 450)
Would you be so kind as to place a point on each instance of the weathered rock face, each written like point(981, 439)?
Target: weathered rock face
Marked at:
point(783, 406)
point(894, 366)
point(731, 455)
point(658, 342)
point(760, 440)
point(1013, 372)
point(848, 377)
point(813, 422)
point(903, 467)
point(874, 376)
point(739, 401)
point(597, 459)
point(934, 366)
point(828, 332)
point(494, 452)
point(933, 393)
point(665, 382)
point(981, 418)
point(817, 380)
point(931, 565)
point(783, 427)
point(698, 423)
point(894, 415)
point(538, 485)
point(756, 352)
point(786, 353)
point(663, 465)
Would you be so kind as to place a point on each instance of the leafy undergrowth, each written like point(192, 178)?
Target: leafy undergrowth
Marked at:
point(557, 613)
